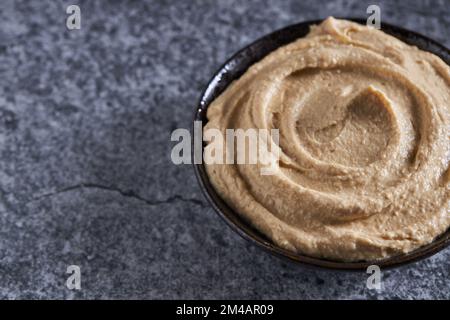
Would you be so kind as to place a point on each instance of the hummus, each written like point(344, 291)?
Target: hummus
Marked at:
point(363, 122)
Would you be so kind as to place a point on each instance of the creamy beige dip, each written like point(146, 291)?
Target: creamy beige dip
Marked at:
point(364, 138)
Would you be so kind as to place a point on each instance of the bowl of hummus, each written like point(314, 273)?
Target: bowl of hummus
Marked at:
point(362, 118)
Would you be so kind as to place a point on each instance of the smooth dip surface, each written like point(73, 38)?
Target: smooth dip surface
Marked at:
point(363, 121)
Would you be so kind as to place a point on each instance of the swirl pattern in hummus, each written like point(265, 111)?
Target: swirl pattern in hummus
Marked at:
point(364, 138)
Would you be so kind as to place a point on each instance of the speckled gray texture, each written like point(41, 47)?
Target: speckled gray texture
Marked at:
point(85, 171)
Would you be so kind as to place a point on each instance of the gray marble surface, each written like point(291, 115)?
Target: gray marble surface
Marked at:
point(85, 170)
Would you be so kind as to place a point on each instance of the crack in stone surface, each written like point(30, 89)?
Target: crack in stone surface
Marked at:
point(125, 193)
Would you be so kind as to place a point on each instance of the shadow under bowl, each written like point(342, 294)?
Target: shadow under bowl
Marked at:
point(232, 70)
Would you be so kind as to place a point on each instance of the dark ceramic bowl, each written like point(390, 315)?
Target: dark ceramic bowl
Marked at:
point(232, 70)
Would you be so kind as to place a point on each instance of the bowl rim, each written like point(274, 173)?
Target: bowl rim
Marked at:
point(231, 70)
